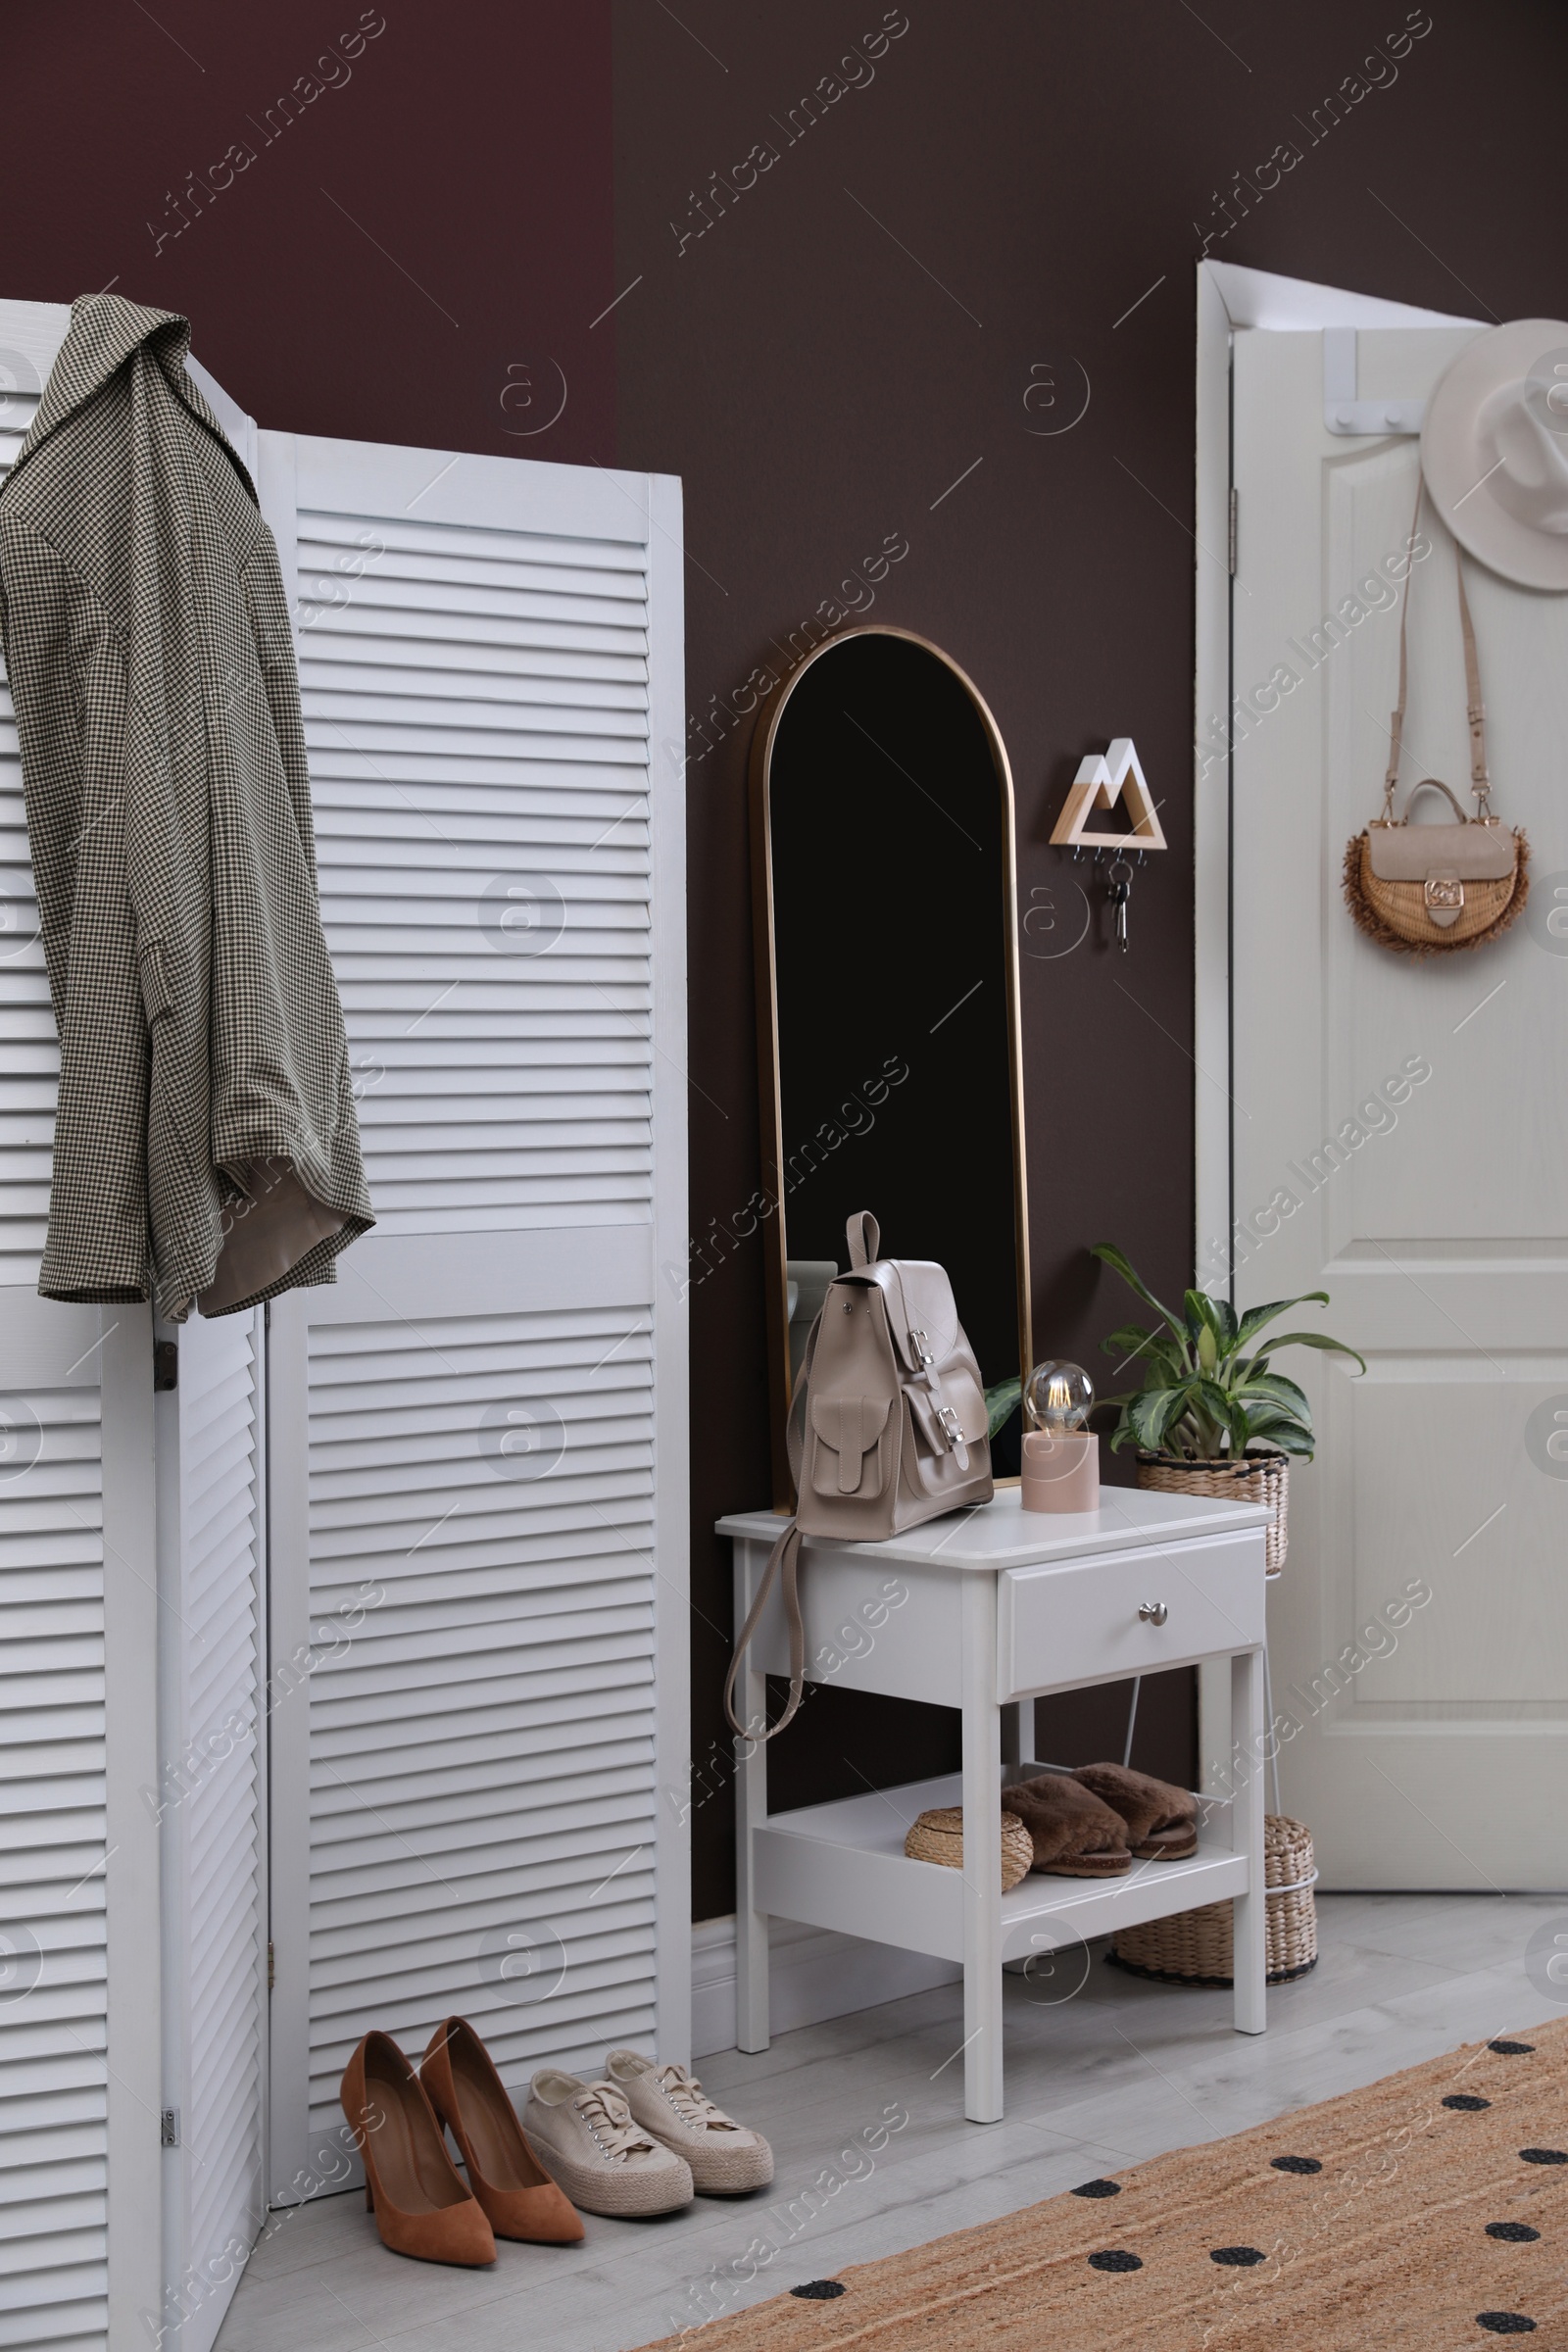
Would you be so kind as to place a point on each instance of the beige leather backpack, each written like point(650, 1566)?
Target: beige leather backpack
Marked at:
point(887, 1427)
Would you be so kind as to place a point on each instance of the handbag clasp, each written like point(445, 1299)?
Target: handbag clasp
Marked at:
point(1446, 890)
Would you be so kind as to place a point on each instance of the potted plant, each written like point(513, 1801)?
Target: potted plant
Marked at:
point(1209, 1416)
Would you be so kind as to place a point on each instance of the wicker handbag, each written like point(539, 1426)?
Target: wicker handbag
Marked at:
point(1424, 889)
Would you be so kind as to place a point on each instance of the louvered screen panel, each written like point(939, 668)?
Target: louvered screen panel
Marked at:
point(483, 645)
point(482, 1751)
point(53, 2146)
point(53, 2135)
point(211, 1797)
point(476, 709)
point(30, 1056)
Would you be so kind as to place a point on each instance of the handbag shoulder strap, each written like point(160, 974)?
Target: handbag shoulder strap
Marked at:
point(1479, 780)
point(784, 1559)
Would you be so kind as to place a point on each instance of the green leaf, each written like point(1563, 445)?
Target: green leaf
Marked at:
point(1289, 1437)
point(1151, 1414)
point(1153, 1347)
point(1315, 1338)
point(1000, 1397)
point(1256, 1317)
point(1279, 1391)
point(1207, 1349)
point(1109, 1255)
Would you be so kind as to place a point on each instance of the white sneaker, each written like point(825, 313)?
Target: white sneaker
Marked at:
point(725, 2157)
point(602, 2158)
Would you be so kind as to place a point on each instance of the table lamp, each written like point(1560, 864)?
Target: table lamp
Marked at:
point(1061, 1456)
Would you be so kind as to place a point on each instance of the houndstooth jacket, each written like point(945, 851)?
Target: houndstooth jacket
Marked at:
point(206, 1146)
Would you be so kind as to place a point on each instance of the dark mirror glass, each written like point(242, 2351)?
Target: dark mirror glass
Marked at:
point(888, 814)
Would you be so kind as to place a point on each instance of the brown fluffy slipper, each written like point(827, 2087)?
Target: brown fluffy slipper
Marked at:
point(1161, 1822)
point(1075, 1836)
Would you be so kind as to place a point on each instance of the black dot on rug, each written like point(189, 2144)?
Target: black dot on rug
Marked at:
point(1512, 2050)
point(1513, 2234)
point(1236, 2258)
point(1505, 2323)
point(1114, 2258)
point(1545, 2155)
point(1465, 2103)
point(819, 2290)
point(1295, 2164)
point(1098, 2189)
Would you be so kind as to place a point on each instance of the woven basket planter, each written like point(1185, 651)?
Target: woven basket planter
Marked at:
point(938, 1836)
point(1254, 1478)
point(1196, 1948)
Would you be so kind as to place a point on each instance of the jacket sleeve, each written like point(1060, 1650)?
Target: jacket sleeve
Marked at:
point(275, 643)
point(48, 623)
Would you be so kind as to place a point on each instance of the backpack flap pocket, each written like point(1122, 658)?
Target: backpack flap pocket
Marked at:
point(852, 1445)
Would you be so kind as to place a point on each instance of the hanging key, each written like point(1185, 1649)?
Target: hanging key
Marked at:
point(1119, 883)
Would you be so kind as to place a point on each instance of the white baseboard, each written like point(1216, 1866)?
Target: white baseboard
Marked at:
point(816, 1973)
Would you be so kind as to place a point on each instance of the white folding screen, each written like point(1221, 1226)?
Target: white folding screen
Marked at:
point(478, 1437)
point(131, 1856)
point(476, 1681)
point(210, 1803)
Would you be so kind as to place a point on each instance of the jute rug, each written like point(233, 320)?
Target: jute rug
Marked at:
point(1429, 2210)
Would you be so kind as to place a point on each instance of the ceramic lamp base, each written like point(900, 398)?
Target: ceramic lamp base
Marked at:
point(1061, 1474)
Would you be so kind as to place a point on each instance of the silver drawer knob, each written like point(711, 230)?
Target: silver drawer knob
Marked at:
point(1153, 1612)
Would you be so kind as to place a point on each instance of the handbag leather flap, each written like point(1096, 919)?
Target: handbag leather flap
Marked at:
point(849, 1427)
point(1469, 852)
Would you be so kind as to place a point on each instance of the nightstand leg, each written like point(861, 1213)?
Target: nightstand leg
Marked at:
point(981, 1855)
point(1248, 1744)
point(751, 1807)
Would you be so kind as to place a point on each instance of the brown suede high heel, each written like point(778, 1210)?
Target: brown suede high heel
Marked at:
point(519, 2197)
point(422, 2207)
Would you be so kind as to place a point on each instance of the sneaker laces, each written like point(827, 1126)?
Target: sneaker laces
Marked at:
point(610, 2119)
point(690, 2101)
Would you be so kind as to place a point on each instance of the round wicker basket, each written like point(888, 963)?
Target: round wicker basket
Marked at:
point(938, 1836)
point(1196, 1947)
point(1253, 1478)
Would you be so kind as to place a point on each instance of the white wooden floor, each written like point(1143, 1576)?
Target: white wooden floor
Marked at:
point(1118, 2073)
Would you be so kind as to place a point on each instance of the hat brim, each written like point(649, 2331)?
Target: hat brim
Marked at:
point(1456, 459)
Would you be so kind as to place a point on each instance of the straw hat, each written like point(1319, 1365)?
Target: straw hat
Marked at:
point(1495, 450)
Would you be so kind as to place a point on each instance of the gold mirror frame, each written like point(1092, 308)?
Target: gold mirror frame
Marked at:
point(763, 737)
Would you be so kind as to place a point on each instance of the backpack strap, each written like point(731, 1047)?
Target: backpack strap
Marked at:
point(783, 1560)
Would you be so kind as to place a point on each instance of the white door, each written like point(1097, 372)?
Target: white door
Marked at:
point(478, 1437)
point(1400, 1140)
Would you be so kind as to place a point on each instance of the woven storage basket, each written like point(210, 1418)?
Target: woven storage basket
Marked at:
point(1254, 1478)
point(938, 1836)
point(1196, 1947)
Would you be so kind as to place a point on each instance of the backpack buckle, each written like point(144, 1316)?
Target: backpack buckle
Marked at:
point(948, 1421)
point(921, 1346)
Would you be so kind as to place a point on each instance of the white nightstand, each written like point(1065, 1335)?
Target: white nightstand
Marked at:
point(975, 1611)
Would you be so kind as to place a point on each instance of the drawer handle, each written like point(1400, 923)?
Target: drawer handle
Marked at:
point(1153, 1612)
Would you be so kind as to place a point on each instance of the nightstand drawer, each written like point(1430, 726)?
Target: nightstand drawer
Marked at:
point(1133, 1613)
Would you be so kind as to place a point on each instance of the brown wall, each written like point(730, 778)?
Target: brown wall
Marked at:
point(821, 378)
point(471, 145)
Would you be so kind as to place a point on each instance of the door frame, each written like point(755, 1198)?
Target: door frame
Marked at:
point(1229, 297)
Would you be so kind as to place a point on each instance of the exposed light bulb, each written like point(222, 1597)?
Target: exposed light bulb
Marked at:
point(1057, 1398)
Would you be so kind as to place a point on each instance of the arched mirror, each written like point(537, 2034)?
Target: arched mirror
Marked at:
point(888, 990)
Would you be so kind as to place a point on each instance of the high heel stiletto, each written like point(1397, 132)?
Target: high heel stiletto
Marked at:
point(422, 2207)
point(518, 2196)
